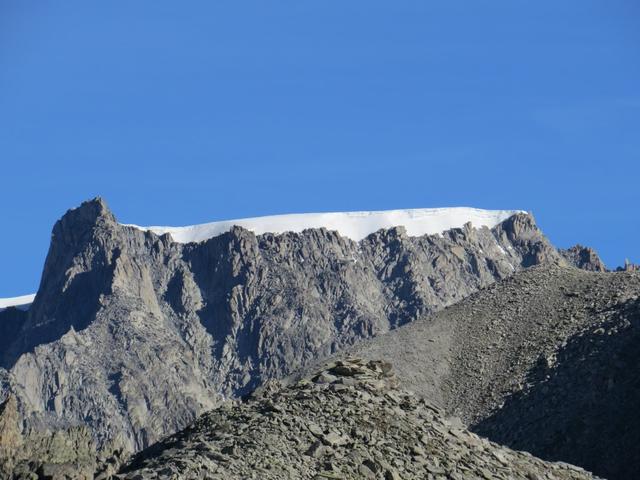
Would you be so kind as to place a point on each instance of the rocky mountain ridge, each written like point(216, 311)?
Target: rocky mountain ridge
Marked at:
point(136, 335)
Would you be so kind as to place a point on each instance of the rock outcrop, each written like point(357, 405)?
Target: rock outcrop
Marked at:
point(10, 435)
point(628, 267)
point(135, 335)
point(584, 258)
point(60, 454)
point(348, 421)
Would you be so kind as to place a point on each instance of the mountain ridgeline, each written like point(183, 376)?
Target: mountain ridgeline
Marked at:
point(134, 334)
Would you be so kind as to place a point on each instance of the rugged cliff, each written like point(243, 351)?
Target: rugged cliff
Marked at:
point(135, 334)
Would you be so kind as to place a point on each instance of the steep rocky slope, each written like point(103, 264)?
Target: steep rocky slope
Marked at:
point(545, 361)
point(348, 421)
point(135, 334)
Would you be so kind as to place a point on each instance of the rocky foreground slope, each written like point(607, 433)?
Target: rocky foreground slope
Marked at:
point(348, 421)
point(134, 334)
point(545, 361)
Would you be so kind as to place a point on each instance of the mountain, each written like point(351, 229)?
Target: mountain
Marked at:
point(544, 361)
point(135, 334)
point(347, 420)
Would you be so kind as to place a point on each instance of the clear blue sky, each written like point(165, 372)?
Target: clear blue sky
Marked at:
point(186, 112)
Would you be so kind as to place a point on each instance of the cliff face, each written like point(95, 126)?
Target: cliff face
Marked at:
point(135, 334)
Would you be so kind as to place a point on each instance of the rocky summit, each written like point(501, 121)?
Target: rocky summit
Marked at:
point(349, 420)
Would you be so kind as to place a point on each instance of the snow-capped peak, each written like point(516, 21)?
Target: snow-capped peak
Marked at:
point(22, 303)
point(354, 225)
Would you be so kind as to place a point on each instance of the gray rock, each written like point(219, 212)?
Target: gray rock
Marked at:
point(584, 258)
point(544, 361)
point(137, 335)
point(61, 454)
point(270, 446)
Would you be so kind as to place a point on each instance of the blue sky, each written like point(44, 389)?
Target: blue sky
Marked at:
point(187, 112)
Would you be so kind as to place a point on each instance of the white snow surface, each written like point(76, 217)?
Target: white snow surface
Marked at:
point(354, 225)
point(23, 302)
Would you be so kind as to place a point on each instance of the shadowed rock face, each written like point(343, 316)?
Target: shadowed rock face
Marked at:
point(11, 322)
point(135, 334)
point(348, 420)
point(582, 407)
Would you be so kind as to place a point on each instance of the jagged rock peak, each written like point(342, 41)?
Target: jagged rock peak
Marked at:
point(348, 420)
point(78, 268)
point(518, 223)
point(79, 225)
point(585, 258)
point(95, 207)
